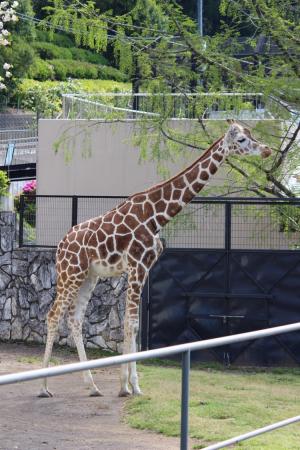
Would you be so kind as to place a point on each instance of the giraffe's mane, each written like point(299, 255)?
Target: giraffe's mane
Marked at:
point(162, 183)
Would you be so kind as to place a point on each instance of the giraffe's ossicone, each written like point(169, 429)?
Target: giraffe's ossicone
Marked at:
point(126, 240)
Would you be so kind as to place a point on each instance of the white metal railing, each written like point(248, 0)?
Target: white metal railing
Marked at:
point(81, 106)
point(207, 105)
point(185, 350)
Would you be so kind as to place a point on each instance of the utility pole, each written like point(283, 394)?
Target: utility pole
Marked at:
point(200, 16)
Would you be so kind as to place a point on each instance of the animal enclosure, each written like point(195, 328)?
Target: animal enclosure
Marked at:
point(243, 275)
point(230, 266)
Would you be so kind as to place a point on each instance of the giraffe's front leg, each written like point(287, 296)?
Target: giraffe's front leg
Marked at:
point(124, 374)
point(129, 376)
point(133, 376)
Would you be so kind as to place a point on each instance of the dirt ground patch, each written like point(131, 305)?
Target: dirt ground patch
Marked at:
point(70, 420)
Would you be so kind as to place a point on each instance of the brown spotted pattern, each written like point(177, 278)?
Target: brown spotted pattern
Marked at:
point(126, 239)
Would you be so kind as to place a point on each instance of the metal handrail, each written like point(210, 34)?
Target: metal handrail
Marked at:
point(252, 434)
point(115, 108)
point(184, 349)
point(167, 94)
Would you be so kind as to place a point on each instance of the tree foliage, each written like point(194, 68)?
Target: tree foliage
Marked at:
point(256, 49)
point(23, 28)
point(19, 53)
point(4, 183)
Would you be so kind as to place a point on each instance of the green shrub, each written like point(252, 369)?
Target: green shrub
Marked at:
point(64, 69)
point(47, 50)
point(42, 35)
point(4, 182)
point(59, 67)
point(63, 40)
point(73, 85)
point(20, 54)
point(60, 39)
point(45, 97)
point(40, 70)
point(96, 86)
point(110, 73)
point(81, 54)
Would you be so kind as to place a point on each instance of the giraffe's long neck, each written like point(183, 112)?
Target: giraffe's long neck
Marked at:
point(167, 199)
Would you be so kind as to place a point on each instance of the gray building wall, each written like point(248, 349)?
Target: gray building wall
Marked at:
point(98, 158)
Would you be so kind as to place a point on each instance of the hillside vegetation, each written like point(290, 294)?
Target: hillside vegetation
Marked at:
point(57, 67)
point(60, 60)
point(47, 64)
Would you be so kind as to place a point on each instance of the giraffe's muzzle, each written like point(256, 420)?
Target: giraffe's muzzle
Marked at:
point(266, 152)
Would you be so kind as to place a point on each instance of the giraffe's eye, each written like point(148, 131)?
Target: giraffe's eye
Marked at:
point(241, 140)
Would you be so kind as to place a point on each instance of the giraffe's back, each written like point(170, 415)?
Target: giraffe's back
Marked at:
point(105, 245)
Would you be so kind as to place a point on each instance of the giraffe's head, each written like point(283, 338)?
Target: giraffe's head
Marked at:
point(240, 142)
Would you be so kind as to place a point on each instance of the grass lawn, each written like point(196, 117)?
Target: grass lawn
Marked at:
point(223, 403)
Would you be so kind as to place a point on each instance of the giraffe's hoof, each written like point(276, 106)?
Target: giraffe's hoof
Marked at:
point(137, 392)
point(124, 393)
point(44, 393)
point(96, 393)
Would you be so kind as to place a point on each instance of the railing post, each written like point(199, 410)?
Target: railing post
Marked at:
point(64, 115)
point(21, 221)
point(74, 210)
point(185, 384)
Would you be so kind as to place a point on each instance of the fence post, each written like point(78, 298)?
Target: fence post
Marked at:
point(185, 384)
point(228, 213)
point(228, 226)
point(74, 210)
point(21, 221)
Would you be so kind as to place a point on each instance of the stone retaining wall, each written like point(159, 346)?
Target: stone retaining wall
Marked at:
point(27, 289)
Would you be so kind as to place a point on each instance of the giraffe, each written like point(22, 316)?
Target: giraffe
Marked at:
point(126, 240)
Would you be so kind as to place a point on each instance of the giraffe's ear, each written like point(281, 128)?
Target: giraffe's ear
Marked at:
point(230, 121)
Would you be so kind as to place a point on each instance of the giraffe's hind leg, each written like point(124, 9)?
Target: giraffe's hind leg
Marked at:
point(54, 316)
point(75, 320)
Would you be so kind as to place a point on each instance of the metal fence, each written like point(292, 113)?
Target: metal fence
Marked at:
point(239, 105)
point(18, 146)
point(45, 219)
point(185, 350)
point(17, 121)
point(207, 223)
